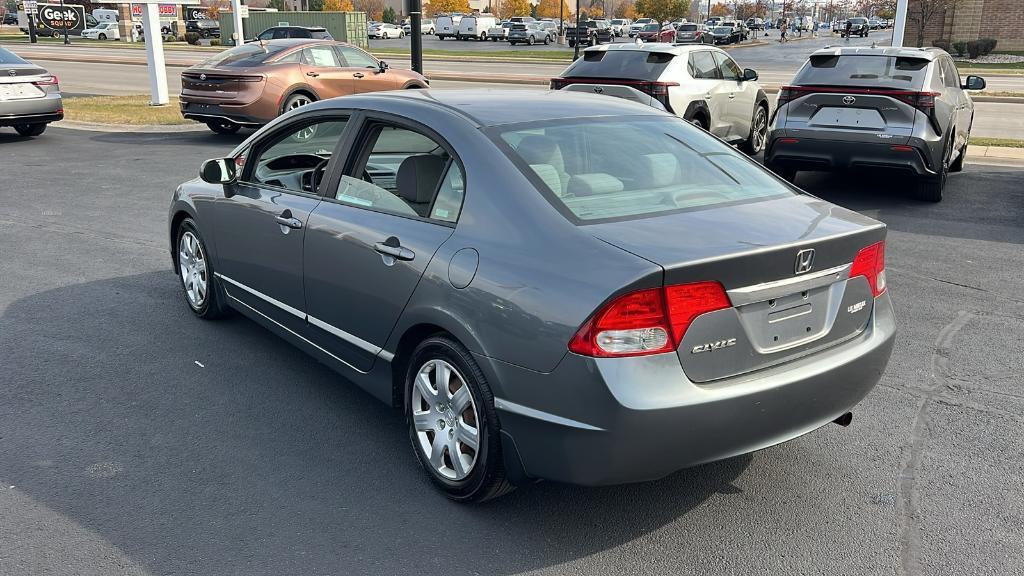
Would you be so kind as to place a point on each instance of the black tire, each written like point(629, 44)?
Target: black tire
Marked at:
point(223, 127)
point(440, 38)
point(384, 35)
point(572, 43)
point(929, 188)
point(530, 41)
point(212, 306)
point(756, 142)
point(29, 130)
point(487, 477)
point(547, 40)
point(698, 121)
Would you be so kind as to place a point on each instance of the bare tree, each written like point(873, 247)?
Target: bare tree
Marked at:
point(921, 13)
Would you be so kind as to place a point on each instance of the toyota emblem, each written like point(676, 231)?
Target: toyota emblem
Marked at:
point(12, 72)
point(598, 90)
point(848, 100)
point(202, 76)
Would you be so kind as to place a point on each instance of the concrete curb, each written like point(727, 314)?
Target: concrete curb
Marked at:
point(128, 128)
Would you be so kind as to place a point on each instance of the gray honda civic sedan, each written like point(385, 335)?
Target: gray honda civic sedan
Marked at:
point(550, 285)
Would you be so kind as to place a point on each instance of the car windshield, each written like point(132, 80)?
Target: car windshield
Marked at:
point(688, 28)
point(618, 22)
point(246, 55)
point(599, 169)
point(722, 30)
point(632, 64)
point(651, 28)
point(8, 57)
point(862, 70)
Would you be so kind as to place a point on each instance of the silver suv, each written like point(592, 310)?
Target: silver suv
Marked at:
point(898, 108)
point(701, 84)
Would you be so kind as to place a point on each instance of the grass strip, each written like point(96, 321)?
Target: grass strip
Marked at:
point(126, 110)
point(997, 142)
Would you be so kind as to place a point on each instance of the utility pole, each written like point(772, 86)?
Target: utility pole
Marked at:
point(415, 10)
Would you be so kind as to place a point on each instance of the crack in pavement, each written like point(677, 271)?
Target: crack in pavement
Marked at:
point(908, 498)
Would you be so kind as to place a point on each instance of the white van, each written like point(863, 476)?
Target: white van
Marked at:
point(475, 27)
point(104, 15)
point(446, 27)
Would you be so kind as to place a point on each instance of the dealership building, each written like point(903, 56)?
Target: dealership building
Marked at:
point(972, 19)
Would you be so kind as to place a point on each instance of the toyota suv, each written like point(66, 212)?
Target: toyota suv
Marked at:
point(701, 84)
point(904, 109)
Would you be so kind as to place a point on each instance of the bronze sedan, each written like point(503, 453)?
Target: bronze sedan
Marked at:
point(252, 84)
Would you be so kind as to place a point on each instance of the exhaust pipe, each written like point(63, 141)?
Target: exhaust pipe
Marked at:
point(844, 420)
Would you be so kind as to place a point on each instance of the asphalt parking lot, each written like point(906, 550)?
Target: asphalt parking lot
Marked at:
point(136, 439)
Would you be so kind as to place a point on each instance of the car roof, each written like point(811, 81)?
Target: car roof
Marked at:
point(662, 47)
point(299, 41)
point(899, 52)
point(487, 107)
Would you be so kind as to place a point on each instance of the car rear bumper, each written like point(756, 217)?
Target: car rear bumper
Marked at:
point(202, 112)
point(612, 421)
point(833, 155)
point(32, 110)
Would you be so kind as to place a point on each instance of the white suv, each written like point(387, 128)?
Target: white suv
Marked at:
point(701, 84)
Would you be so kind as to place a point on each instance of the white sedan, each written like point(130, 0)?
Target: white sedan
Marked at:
point(102, 31)
point(385, 31)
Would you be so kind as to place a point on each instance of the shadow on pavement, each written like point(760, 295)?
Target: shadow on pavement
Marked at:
point(216, 448)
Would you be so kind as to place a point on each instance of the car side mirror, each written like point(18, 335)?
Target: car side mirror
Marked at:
point(749, 75)
point(382, 67)
point(974, 83)
point(218, 171)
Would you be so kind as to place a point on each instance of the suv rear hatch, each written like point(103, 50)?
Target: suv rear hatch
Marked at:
point(774, 314)
point(857, 98)
point(610, 72)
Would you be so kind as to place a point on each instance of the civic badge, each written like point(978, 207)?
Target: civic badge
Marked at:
point(202, 76)
point(848, 100)
point(804, 261)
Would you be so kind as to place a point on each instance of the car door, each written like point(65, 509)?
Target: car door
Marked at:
point(325, 73)
point(964, 104)
point(370, 240)
point(741, 95)
point(260, 226)
point(707, 78)
point(365, 70)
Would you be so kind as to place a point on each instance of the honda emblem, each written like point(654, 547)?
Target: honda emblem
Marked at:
point(804, 261)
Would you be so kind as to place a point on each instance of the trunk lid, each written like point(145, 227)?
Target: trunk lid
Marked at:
point(217, 84)
point(752, 250)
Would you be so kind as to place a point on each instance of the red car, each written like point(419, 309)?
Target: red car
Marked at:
point(650, 33)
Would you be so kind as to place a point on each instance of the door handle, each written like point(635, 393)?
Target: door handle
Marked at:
point(287, 220)
point(732, 95)
point(396, 252)
point(312, 74)
point(357, 75)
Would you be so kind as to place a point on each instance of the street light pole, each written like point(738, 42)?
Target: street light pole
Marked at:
point(415, 9)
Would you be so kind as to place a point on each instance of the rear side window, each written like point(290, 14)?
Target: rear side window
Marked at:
point(245, 55)
point(595, 170)
point(702, 65)
point(322, 56)
point(862, 70)
point(634, 64)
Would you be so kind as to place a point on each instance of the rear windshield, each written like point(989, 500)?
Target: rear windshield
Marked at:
point(858, 20)
point(687, 28)
point(7, 57)
point(245, 55)
point(632, 64)
point(862, 70)
point(651, 28)
point(601, 169)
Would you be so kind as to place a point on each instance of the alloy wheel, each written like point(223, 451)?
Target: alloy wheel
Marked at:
point(192, 265)
point(445, 417)
point(298, 102)
point(760, 131)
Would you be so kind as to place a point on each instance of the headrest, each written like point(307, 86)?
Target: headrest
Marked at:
point(540, 150)
point(591, 184)
point(418, 177)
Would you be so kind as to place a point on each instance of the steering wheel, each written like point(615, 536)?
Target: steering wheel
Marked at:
point(317, 174)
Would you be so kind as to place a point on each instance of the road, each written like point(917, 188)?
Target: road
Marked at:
point(136, 439)
point(776, 63)
point(992, 119)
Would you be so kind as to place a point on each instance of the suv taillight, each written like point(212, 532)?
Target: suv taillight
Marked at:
point(870, 263)
point(649, 321)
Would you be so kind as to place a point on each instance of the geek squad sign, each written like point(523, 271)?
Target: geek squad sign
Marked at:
point(70, 17)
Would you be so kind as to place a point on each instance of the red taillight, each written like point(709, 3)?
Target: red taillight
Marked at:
point(648, 321)
point(870, 263)
point(901, 148)
point(50, 80)
point(558, 83)
point(787, 141)
point(787, 94)
point(657, 88)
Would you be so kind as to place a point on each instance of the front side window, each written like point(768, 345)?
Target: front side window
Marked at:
point(406, 173)
point(728, 68)
point(594, 170)
point(356, 58)
point(295, 160)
